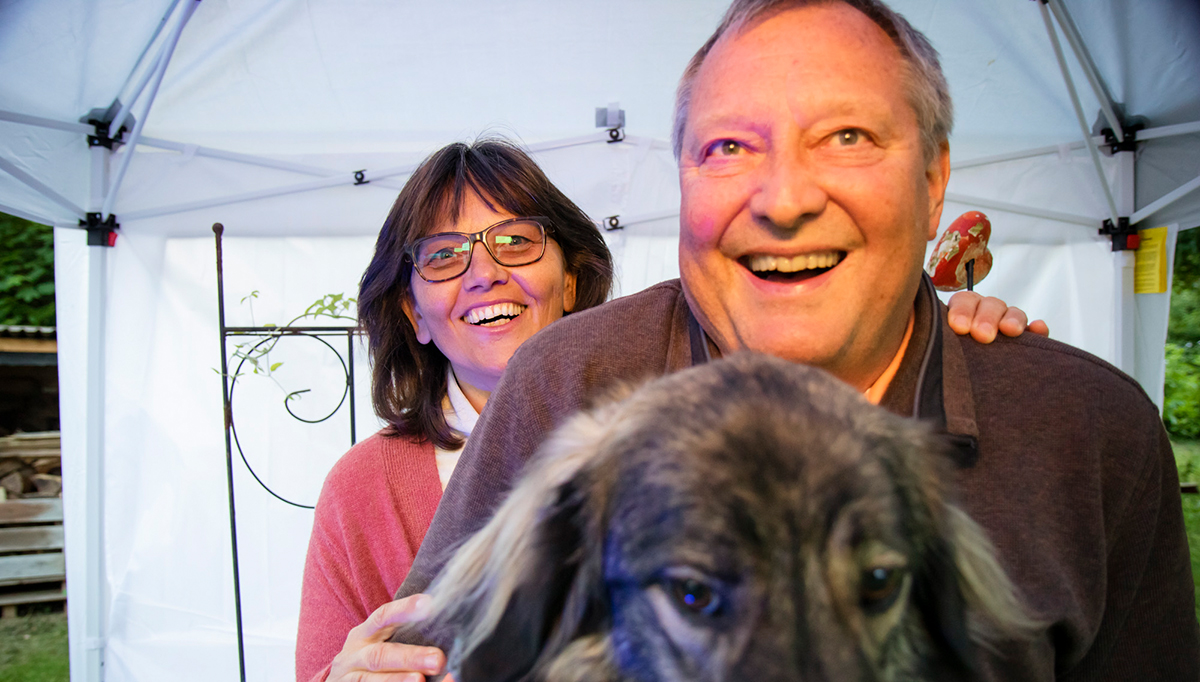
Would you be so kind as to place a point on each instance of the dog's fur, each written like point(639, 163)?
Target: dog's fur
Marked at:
point(749, 518)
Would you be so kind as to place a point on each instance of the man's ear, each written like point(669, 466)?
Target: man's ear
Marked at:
point(937, 176)
point(414, 317)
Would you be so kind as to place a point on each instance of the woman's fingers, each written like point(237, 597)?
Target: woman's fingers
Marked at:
point(364, 676)
point(394, 657)
point(982, 316)
point(384, 620)
point(367, 656)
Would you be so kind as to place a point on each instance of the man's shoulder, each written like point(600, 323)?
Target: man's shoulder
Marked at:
point(637, 324)
point(652, 307)
point(1039, 367)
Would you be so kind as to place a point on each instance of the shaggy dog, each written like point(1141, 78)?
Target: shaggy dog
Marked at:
point(749, 518)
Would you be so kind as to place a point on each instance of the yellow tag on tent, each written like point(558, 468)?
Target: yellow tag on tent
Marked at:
point(1150, 269)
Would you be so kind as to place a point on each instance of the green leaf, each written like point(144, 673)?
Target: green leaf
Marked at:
point(276, 366)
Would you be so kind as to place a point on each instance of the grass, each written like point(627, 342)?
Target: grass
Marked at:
point(33, 648)
point(1187, 458)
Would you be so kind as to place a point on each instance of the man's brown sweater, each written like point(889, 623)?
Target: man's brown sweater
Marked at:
point(1061, 458)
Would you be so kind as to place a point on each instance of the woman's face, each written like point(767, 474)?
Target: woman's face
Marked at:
point(505, 305)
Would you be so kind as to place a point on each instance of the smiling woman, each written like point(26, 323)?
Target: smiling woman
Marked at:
point(480, 252)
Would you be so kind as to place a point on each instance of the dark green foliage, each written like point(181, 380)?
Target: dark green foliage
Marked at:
point(1181, 394)
point(26, 272)
point(1184, 328)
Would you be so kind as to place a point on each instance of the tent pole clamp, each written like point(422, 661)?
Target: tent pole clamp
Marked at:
point(613, 222)
point(1128, 144)
point(1124, 236)
point(613, 118)
point(100, 120)
point(100, 232)
point(360, 177)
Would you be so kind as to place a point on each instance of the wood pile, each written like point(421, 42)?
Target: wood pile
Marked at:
point(30, 465)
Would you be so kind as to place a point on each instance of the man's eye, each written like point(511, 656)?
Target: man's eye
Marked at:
point(725, 148)
point(848, 137)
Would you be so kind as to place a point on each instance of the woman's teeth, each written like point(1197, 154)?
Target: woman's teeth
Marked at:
point(808, 261)
point(491, 315)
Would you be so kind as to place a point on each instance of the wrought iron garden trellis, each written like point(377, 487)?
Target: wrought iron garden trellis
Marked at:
point(268, 335)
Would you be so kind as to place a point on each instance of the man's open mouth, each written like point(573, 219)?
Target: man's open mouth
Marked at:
point(792, 268)
point(492, 315)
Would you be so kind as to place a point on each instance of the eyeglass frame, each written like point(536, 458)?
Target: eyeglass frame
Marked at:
point(541, 221)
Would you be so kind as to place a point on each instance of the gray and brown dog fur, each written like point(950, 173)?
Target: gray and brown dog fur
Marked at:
point(749, 518)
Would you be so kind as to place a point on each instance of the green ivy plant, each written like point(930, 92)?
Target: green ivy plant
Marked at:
point(329, 306)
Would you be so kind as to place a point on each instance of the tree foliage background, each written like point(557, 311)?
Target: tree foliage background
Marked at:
point(26, 273)
point(1181, 404)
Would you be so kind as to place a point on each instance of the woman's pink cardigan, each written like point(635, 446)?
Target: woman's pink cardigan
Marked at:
point(377, 502)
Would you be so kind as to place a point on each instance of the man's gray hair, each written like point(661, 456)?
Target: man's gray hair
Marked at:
point(928, 92)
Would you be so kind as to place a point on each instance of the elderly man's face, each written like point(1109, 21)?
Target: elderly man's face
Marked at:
point(802, 152)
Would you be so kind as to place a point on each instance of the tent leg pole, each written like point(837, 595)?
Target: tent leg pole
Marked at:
point(97, 587)
point(1127, 313)
point(88, 584)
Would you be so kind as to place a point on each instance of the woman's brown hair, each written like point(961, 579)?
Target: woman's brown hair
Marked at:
point(408, 381)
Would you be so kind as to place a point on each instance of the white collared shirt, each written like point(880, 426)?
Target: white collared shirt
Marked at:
point(461, 416)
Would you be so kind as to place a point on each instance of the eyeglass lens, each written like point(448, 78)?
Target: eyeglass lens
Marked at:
point(442, 256)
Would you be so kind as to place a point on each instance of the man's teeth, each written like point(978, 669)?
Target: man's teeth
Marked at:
point(808, 261)
point(493, 314)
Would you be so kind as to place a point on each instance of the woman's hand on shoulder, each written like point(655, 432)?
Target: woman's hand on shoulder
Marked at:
point(367, 656)
point(982, 316)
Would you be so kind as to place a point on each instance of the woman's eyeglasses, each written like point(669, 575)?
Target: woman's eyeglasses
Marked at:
point(446, 255)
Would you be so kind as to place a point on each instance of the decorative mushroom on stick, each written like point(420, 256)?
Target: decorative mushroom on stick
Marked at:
point(961, 257)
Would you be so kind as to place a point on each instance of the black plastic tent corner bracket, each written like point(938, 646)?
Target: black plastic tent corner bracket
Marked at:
point(1124, 236)
point(100, 120)
point(100, 232)
point(1128, 143)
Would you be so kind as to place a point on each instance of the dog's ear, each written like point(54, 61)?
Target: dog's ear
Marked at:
point(918, 466)
point(529, 582)
point(993, 603)
point(938, 597)
point(962, 593)
point(551, 601)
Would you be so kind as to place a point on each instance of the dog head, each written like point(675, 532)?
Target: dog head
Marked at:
point(746, 518)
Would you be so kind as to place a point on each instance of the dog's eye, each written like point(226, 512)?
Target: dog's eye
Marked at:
point(693, 595)
point(879, 588)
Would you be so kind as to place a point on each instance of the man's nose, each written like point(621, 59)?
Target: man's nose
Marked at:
point(788, 193)
point(484, 271)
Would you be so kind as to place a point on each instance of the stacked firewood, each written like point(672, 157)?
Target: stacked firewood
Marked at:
point(30, 465)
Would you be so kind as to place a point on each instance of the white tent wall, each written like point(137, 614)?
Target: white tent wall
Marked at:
point(341, 86)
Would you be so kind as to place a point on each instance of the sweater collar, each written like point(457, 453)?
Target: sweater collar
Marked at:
point(931, 384)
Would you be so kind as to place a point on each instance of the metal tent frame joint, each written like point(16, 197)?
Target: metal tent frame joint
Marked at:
point(1126, 138)
point(613, 118)
point(1127, 144)
point(101, 232)
point(1124, 235)
point(101, 120)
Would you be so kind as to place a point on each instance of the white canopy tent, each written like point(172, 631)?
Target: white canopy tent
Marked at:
point(258, 115)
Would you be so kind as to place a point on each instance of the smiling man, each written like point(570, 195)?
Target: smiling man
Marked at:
point(813, 150)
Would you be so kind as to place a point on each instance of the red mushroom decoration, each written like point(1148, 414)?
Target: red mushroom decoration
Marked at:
point(964, 242)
